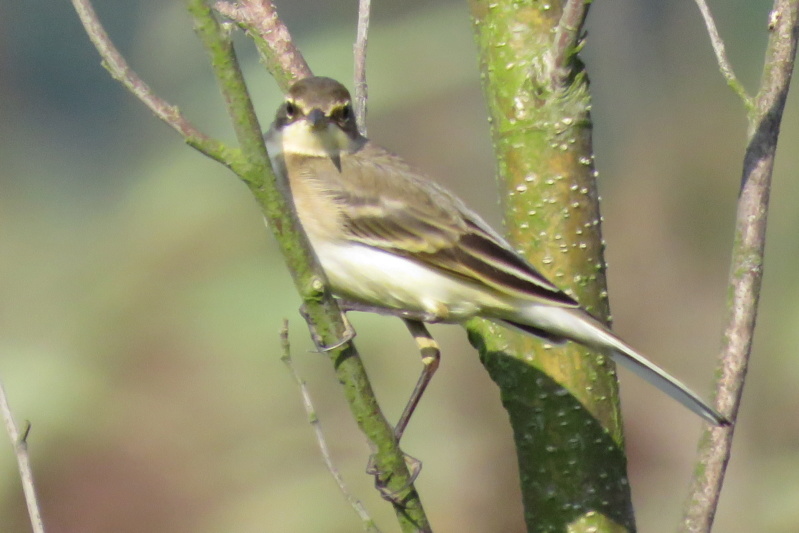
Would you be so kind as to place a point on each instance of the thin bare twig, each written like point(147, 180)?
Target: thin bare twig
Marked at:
point(359, 50)
point(567, 38)
point(721, 55)
point(746, 272)
point(120, 71)
point(260, 20)
point(20, 444)
point(310, 410)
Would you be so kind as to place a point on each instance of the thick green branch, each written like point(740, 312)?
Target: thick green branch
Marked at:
point(562, 401)
point(321, 308)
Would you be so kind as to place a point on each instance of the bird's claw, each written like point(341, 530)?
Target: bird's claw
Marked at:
point(321, 347)
point(414, 468)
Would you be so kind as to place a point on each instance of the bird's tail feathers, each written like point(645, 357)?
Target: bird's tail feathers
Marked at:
point(558, 323)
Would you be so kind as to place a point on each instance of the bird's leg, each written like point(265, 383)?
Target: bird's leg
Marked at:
point(349, 332)
point(431, 354)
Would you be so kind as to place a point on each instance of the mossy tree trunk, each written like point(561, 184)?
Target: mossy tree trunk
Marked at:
point(562, 400)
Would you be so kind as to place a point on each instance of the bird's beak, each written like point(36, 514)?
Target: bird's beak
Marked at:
point(319, 123)
point(335, 157)
point(317, 119)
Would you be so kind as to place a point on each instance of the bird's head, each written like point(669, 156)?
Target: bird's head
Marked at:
point(317, 119)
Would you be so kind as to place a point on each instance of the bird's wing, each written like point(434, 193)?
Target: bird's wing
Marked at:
point(397, 212)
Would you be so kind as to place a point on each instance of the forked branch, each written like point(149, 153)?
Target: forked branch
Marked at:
point(746, 270)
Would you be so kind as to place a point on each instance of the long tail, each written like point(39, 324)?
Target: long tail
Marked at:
point(559, 323)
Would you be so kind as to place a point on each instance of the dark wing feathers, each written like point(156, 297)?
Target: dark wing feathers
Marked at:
point(431, 226)
point(505, 270)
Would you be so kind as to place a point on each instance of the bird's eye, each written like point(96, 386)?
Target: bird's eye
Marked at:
point(346, 112)
point(291, 109)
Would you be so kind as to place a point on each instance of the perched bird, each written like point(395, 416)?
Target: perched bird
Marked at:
point(391, 240)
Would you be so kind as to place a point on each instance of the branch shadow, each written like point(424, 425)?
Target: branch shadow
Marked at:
point(570, 467)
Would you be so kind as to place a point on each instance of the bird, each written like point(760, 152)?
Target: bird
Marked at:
point(391, 240)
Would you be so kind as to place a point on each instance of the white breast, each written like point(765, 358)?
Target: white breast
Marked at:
point(380, 278)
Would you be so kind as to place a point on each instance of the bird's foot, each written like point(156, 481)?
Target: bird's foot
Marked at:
point(321, 347)
point(381, 481)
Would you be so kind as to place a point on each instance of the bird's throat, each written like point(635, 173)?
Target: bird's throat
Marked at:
point(300, 138)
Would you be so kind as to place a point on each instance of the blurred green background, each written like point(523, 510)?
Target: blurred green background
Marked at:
point(141, 296)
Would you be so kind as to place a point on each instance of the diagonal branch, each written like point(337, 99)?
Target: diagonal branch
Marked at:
point(746, 272)
point(251, 164)
point(721, 55)
point(319, 305)
point(259, 19)
point(324, 449)
point(20, 444)
point(120, 71)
